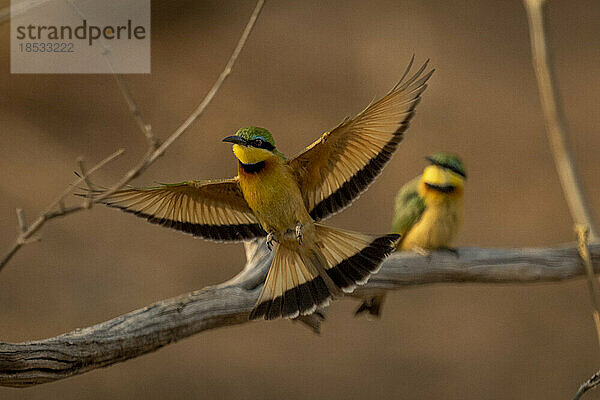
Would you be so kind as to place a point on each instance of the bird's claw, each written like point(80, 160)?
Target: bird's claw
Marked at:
point(270, 240)
point(299, 232)
point(452, 250)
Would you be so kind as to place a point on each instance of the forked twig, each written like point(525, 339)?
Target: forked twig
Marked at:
point(152, 154)
point(54, 210)
point(57, 208)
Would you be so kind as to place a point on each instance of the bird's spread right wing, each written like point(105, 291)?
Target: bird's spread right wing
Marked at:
point(337, 168)
point(214, 210)
point(409, 208)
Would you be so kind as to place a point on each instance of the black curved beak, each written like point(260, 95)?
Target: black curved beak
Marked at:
point(236, 140)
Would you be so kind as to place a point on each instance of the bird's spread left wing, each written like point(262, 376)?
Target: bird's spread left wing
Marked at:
point(335, 169)
point(214, 210)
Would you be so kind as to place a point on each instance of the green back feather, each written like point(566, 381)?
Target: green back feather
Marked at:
point(409, 207)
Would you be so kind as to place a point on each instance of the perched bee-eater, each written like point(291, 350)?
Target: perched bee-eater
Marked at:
point(284, 200)
point(428, 212)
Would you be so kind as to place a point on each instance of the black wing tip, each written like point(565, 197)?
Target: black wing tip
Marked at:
point(218, 233)
point(359, 182)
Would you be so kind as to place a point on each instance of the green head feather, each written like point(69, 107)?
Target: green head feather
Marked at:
point(254, 132)
point(448, 161)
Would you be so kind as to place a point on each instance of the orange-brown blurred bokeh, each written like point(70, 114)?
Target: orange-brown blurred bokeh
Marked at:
point(306, 66)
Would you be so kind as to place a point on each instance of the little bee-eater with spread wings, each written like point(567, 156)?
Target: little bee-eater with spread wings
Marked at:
point(284, 199)
point(428, 212)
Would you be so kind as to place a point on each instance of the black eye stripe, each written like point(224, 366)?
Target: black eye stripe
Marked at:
point(261, 144)
point(456, 171)
point(268, 146)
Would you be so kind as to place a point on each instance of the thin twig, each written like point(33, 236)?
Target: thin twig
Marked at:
point(76, 183)
point(148, 159)
point(82, 168)
point(554, 117)
point(200, 109)
point(54, 210)
point(135, 111)
point(591, 383)
point(565, 166)
point(584, 252)
point(88, 198)
point(127, 95)
point(153, 154)
point(150, 328)
point(21, 220)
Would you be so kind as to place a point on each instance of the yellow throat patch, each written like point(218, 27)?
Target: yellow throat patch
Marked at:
point(250, 155)
point(437, 176)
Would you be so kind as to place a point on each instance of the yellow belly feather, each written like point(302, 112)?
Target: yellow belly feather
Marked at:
point(274, 196)
point(439, 223)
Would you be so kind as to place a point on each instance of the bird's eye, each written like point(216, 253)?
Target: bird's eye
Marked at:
point(258, 142)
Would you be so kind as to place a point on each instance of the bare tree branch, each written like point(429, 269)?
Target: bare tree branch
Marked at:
point(152, 327)
point(554, 117)
point(152, 153)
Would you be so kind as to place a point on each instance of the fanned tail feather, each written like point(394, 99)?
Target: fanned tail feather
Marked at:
point(352, 257)
point(300, 281)
point(293, 287)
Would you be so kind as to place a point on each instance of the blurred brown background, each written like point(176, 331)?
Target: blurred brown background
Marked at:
point(306, 66)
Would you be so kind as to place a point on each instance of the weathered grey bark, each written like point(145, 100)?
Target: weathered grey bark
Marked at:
point(150, 328)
